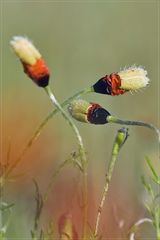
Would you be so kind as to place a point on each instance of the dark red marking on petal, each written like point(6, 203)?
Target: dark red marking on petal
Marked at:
point(116, 84)
point(109, 84)
point(96, 114)
point(38, 72)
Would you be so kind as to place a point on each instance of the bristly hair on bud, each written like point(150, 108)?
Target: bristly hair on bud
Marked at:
point(83, 111)
point(33, 63)
point(132, 78)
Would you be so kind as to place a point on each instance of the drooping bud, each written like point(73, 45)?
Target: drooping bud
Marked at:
point(129, 79)
point(88, 112)
point(66, 227)
point(32, 61)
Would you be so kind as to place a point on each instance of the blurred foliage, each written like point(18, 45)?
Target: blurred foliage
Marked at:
point(81, 42)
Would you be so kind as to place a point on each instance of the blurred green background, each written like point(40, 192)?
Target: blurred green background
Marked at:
point(81, 41)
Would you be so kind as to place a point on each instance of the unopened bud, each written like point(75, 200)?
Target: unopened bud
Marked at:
point(32, 61)
point(88, 112)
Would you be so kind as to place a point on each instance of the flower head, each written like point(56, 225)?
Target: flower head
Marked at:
point(88, 112)
point(129, 79)
point(32, 61)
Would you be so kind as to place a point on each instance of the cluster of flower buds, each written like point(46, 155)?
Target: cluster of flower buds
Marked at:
point(130, 79)
point(84, 111)
point(32, 61)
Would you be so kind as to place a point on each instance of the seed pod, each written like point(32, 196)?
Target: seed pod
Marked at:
point(88, 112)
point(33, 63)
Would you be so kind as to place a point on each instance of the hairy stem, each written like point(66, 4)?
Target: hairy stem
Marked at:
point(81, 151)
point(120, 139)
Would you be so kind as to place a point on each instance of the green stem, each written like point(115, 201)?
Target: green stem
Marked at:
point(112, 119)
point(120, 139)
point(40, 128)
point(81, 151)
point(157, 222)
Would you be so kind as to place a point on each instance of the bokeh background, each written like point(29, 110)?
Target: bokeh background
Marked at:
point(81, 41)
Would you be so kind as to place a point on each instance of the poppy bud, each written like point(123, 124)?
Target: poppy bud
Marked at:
point(129, 79)
point(33, 64)
point(88, 112)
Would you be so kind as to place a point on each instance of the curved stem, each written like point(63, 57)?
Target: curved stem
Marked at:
point(40, 128)
point(112, 119)
point(136, 225)
point(81, 151)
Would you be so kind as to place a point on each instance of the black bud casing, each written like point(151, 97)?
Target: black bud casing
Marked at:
point(103, 86)
point(42, 81)
point(98, 115)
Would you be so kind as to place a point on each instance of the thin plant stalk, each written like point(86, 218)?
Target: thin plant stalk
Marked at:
point(40, 128)
point(120, 139)
point(49, 187)
point(112, 119)
point(81, 151)
point(43, 198)
point(136, 225)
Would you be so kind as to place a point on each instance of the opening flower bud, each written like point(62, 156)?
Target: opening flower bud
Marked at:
point(83, 111)
point(133, 78)
point(129, 79)
point(32, 61)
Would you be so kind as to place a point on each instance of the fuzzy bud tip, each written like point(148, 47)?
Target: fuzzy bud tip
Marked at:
point(133, 78)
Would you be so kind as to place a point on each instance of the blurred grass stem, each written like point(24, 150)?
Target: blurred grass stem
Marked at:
point(81, 152)
point(40, 128)
point(137, 225)
point(120, 139)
